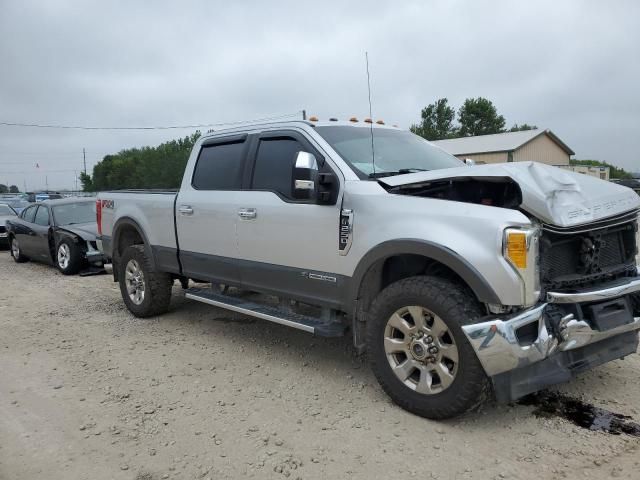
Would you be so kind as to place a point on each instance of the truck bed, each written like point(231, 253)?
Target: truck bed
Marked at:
point(153, 213)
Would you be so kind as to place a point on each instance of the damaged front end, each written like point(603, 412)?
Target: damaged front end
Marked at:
point(581, 282)
point(501, 192)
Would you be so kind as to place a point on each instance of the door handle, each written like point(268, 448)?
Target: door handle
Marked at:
point(185, 210)
point(247, 213)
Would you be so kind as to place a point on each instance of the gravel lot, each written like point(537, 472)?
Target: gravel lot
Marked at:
point(87, 391)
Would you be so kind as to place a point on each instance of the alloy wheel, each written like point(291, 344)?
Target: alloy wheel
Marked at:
point(64, 255)
point(15, 248)
point(134, 281)
point(421, 350)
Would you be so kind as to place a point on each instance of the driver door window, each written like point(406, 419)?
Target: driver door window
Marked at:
point(42, 216)
point(273, 170)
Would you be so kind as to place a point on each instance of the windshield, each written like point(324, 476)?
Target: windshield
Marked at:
point(6, 211)
point(71, 213)
point(396, 151)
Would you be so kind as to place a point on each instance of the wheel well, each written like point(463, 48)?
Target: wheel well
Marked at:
point(126, 236)
point(388, 270)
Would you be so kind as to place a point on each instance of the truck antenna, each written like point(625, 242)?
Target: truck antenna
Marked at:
point(373, 154)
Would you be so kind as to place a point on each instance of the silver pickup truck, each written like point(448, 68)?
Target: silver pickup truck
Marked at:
point(461, 282)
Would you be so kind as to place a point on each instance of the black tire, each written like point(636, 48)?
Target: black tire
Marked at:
point(157, 285)
point(455, 306)
point(74, 260)
point(14, 247)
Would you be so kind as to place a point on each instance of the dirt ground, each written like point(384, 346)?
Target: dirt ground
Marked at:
point(87, 391)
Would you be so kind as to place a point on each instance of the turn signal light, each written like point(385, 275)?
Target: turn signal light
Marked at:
point(313, 118)
point(516, 248)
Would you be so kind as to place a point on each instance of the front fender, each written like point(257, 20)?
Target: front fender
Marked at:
point(478, 284)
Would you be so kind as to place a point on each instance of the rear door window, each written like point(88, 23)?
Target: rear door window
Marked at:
point(219, 167)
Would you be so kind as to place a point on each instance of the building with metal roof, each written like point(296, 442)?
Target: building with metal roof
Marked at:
point(528, 145)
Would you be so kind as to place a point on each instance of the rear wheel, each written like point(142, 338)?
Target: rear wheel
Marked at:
point(418, 351)
point(69, 257)
point(145, 292)
point(16, 253)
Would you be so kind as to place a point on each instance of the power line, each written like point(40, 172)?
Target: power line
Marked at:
point(171, 127)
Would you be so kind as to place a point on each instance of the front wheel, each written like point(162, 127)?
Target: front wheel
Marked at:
point(16, 253)
point(418, 351)
point(145, 291)
point(69, 257)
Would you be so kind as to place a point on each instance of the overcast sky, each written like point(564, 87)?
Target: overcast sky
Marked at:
point(570, 66)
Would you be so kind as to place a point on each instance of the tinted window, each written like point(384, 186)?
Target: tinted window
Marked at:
point(29, 213)
point(274, 165)
point(42, 217)
point(219, 167)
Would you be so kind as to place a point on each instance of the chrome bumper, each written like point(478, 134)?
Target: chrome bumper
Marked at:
point(496, 344)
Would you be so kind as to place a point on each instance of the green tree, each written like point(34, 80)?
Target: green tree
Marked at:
point(3, 188)
point(520, 128)
point(614, 172)
point(14, 189)
point(478, 116)
point(436, 121)
point(87, 183)
point(145, 167)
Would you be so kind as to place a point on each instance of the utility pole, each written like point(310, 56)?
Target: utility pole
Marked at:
point(75, 177)
point(46, 182)
point(84, 161)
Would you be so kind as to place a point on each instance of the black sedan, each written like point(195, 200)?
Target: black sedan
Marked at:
point(57, 232)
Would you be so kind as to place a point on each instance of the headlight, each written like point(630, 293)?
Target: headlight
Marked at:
point(520, 249)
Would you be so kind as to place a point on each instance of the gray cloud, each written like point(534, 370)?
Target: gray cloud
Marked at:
point(571, 66)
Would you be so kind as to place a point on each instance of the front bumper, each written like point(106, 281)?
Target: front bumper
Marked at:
point(552, 333)
point(94, 257)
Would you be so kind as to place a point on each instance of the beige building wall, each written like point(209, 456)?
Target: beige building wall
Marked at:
point(603, 173)
point(541, 149)
point(496, 157)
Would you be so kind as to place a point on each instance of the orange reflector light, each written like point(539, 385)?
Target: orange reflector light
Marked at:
point(353, 119)
point(313, 118)
point(380, 122)
point(368, 120)
point(517, 248)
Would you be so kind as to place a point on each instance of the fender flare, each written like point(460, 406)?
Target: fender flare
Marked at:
point(117, 231)
point(478, 284)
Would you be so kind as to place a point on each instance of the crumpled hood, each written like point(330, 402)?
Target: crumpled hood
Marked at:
point(553, 195)
point(86, 231)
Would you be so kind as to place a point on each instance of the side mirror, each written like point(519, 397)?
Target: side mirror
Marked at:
point(305, 174)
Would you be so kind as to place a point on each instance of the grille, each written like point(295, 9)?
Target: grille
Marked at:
point(583, 258)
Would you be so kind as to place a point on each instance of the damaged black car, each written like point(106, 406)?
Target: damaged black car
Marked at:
point(57, 232)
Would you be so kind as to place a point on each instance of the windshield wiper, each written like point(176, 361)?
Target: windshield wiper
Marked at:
point(402, 171)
